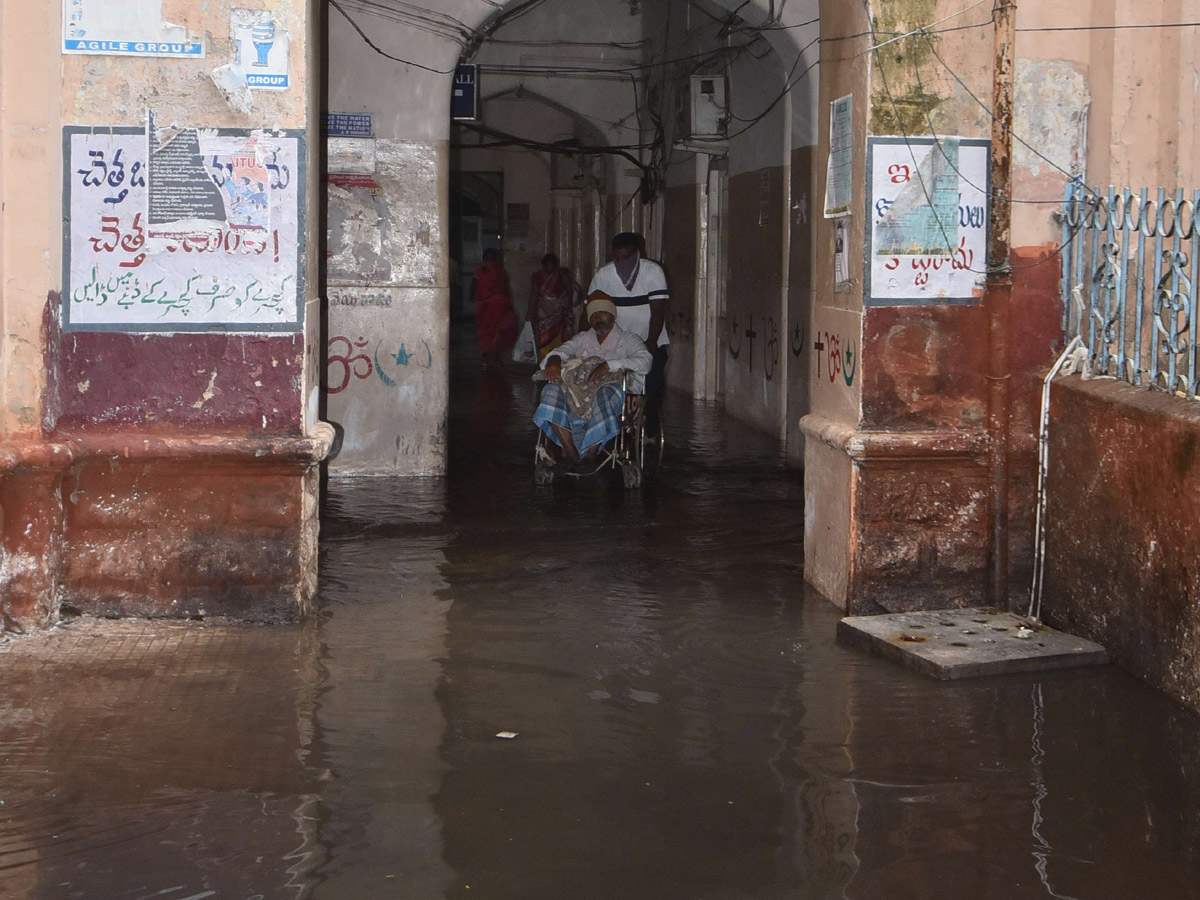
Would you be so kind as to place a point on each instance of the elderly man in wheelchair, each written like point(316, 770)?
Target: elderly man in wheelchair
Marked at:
point(583, 406)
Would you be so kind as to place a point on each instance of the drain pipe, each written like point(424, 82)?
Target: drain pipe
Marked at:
point(1074, 358)
point(998, 302)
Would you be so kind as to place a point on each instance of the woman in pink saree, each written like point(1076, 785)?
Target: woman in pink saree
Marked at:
point(551, 300)
point(494, 317)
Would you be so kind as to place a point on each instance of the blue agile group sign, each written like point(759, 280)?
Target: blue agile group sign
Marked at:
point(133, 48)
point(464, 101)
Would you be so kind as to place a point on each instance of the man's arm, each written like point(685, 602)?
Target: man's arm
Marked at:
point(634, 357)
point(657, 294)
point(658, 317)
point(564, 351)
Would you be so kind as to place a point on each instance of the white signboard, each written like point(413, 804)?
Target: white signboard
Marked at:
point(928, 207)
point(184, 230)
point(124, 28)
point(839, 191)
point(263, 50)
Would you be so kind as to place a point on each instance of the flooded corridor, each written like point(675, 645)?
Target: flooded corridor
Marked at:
point(686, 727)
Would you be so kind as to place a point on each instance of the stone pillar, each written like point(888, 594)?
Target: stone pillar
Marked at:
point(159, 399)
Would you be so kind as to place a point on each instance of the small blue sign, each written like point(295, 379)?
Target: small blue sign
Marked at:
point(133, 48)
point(273, 82)
point(464, 101)
point(356, 125)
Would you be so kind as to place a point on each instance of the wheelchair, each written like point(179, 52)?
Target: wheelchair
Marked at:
point(634, 451)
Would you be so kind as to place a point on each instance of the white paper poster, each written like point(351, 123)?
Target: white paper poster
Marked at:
point(124, 28)
point(839, 185)
point(182, 230)
point(929, 211)
point(263, 49)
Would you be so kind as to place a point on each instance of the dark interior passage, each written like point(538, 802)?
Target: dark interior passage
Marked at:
point(686, 725)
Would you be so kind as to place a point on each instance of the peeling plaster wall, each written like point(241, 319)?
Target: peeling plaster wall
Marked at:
point(387, 352)
point(121, 404)
point(107, 91)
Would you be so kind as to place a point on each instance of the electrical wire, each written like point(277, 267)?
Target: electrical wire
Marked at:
point(616, 45)
point(917, 166)
point(937, 141)
point(901, 37)
point(1111, 27)
point(991, 115)
point(1005, 265)
point(604, 70)
point(418, 17)
point(788, 86)
point(370, 43)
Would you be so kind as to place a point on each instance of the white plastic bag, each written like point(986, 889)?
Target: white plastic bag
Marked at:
point(525, 350)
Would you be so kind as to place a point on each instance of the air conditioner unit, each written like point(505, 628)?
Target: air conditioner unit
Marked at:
point(710, 106)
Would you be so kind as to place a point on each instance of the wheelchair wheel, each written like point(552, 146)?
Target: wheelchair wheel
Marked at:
point(631, 474)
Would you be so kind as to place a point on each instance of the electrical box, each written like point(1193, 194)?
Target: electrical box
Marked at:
point(710, 106)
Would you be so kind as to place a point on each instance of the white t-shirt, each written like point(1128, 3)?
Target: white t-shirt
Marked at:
point(633, 306)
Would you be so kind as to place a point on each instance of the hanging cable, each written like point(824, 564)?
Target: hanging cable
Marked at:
point(370, 43)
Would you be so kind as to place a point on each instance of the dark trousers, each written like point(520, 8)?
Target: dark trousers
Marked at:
point(656, 385)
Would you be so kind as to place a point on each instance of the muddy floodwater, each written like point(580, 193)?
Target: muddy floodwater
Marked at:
point(686, 727)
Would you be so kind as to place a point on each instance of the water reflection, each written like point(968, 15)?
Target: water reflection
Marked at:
point(687, 726)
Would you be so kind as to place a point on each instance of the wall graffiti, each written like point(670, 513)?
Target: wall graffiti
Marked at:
point(771, 355)
point(796, 344)
point(359, 297)
point(349, 363)
point(836, 356)
point(745, 340)
point(182, 230)
point(349, 360)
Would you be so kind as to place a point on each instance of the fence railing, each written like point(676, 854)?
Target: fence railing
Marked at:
point(1129, 267)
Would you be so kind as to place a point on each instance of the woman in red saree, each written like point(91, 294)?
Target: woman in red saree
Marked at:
point(494, 317)
point(551, 299)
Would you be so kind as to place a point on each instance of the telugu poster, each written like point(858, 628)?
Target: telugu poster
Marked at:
point(928, 209)
point(182, 229)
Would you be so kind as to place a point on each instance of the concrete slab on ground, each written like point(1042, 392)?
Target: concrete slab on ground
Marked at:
point(966, 643)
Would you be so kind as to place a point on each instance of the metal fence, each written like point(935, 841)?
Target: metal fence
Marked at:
point(1129, 283)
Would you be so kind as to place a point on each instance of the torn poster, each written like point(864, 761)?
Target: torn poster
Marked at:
point(124, 28)
point(263, 49)
point(182, 229)
point(928, 211)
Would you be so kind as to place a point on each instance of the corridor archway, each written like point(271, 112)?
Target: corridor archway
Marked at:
point(758, 320)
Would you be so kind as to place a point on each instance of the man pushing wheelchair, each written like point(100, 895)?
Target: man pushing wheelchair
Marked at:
point(587, 380)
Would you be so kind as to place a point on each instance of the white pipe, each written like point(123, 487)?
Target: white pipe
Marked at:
point(1077, 354)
